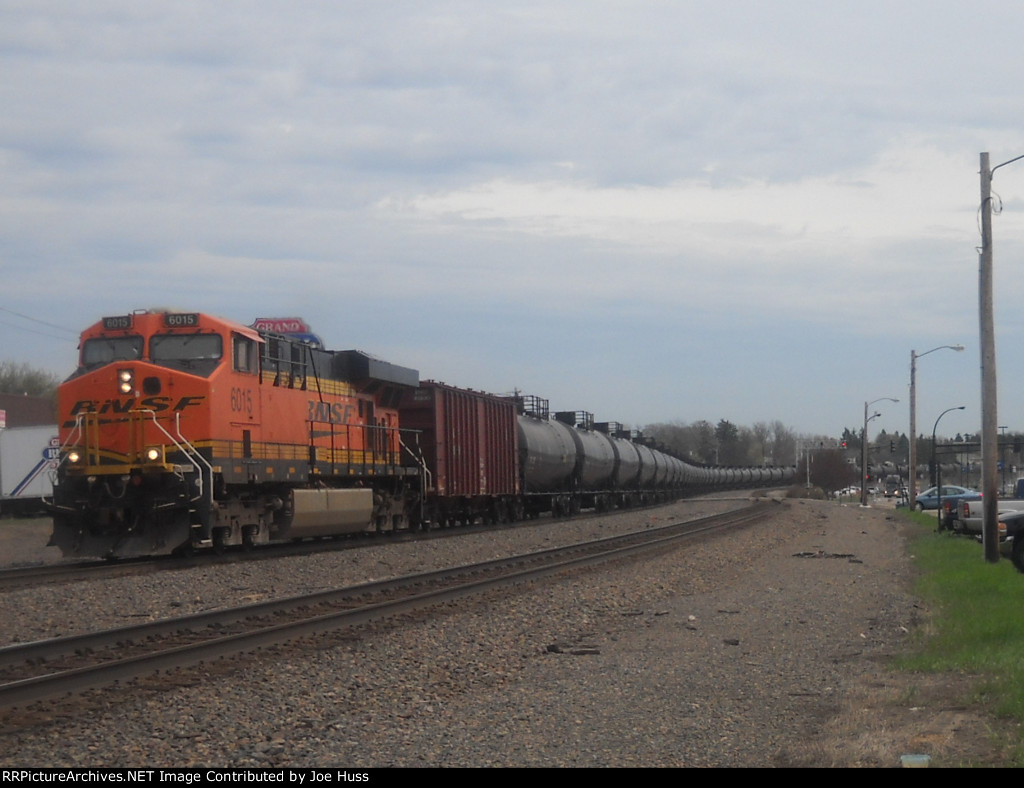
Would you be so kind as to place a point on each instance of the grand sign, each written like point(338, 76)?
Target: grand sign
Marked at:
point(281, 325)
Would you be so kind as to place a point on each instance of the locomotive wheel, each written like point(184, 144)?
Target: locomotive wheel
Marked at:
point(220, 540)
point(248, 537)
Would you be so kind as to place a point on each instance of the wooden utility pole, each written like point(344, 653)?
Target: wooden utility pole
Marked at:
point(989, 420)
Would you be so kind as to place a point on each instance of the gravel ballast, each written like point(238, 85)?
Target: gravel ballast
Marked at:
point(729, 651)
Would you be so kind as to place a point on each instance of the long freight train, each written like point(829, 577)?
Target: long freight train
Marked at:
point(181, 431)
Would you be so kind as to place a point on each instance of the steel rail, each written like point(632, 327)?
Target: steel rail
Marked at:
point(537, 565)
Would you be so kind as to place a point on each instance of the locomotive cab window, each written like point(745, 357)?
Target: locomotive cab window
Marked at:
point(244, 354)
point(104, 350)
point(196, 353)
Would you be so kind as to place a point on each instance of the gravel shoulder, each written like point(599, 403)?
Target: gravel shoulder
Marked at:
point(770, 649)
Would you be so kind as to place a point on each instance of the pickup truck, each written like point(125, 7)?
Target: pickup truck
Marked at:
point(970, 514)
point(950, 512)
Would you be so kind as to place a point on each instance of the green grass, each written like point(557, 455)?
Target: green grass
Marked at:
point(977, 626)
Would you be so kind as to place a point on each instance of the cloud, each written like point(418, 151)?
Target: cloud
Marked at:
point(552, 192)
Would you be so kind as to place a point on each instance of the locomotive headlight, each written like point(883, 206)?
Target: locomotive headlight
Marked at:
point(155, 454)
point(125, 380)
point(74, 457)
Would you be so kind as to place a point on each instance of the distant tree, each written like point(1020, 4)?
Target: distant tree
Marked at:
point(24, 379)
point(731, 450)
point(749, 450)
point(707, 445)
point(783, 446)
point(727, 444)
point(762, 435)
point(675, 436)
point(726, 431)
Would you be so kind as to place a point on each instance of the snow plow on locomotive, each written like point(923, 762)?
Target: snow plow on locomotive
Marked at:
point(182, 431)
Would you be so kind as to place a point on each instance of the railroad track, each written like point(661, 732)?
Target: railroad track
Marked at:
point(71, 665)
point(21, 577)
point(72, 571)
point(27, 577)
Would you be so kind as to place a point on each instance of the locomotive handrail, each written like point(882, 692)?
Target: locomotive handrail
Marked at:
point(71, 437)
point(417, 457)
point(190, 451)
point(63, 455)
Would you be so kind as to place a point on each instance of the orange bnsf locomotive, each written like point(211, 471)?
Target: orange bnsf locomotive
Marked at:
point(181, 431)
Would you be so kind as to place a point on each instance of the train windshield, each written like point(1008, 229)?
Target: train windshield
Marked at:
point(103, 350)
point(198, 353)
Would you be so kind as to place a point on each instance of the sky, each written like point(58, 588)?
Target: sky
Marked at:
point(653, 211)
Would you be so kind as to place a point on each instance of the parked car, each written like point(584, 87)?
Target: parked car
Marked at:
point(929, 499)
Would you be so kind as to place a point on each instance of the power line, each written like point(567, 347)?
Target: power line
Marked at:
point(70, 331)
point(37, 333)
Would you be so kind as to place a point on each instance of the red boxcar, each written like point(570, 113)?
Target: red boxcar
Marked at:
point(469, 445)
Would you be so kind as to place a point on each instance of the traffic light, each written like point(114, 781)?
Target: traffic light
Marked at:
point(892, 447)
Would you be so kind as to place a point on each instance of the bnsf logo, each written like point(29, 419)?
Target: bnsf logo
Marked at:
point(157, 404)
point(333, 414)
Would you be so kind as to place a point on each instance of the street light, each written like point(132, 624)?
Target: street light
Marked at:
point(864, 449)
point(938, 465)
point(912, 492)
